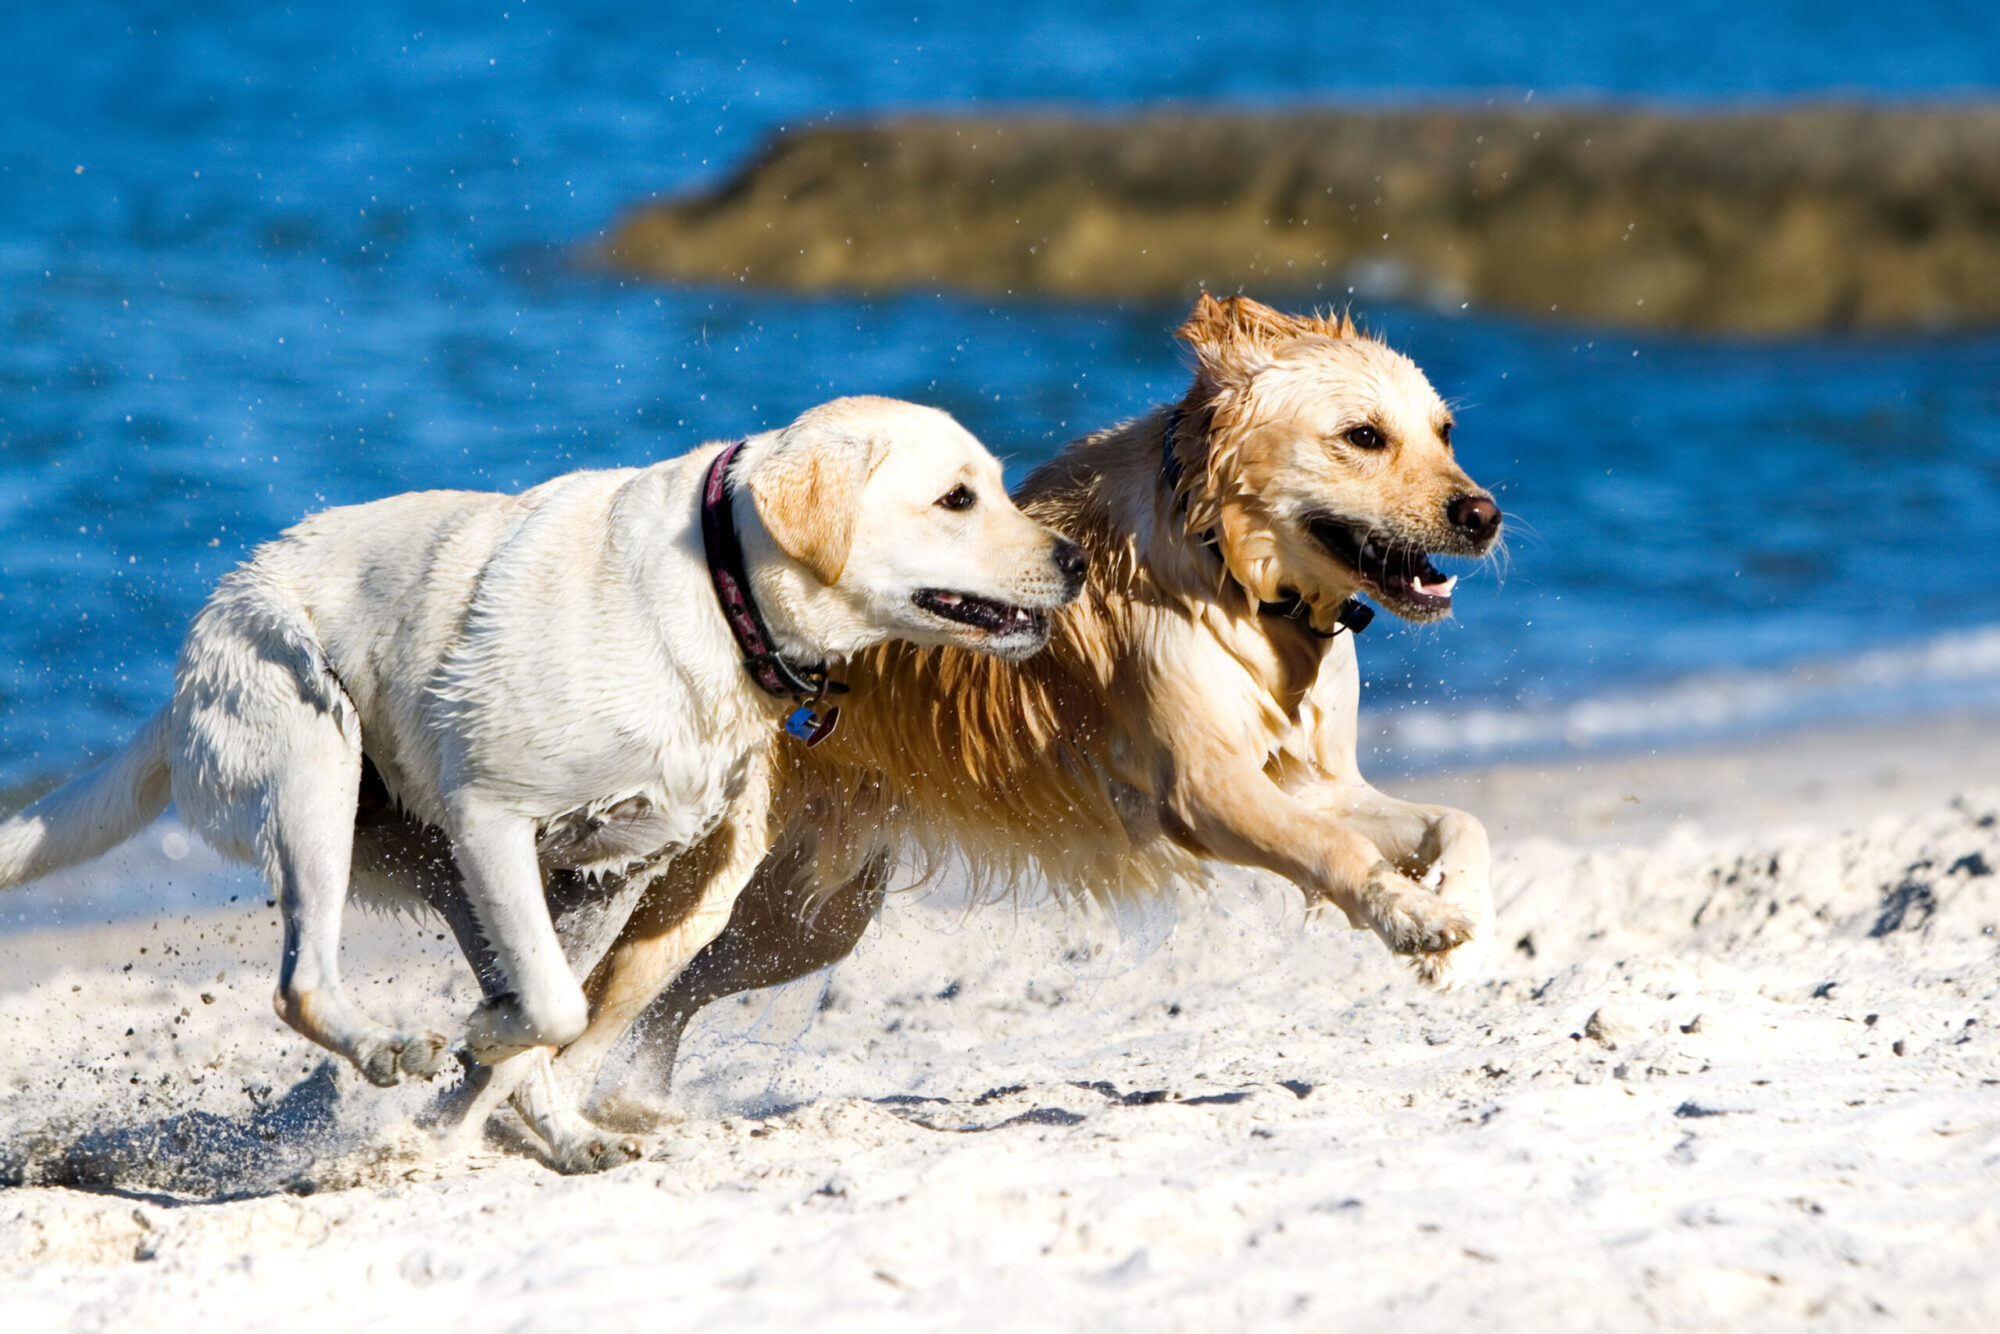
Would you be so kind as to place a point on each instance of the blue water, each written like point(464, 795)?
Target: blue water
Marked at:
point(255, 262)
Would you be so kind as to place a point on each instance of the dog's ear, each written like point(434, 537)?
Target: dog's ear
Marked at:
point(1249, 547)
point(1257, 320)
point(1206, 326)
point(1235, 331)
point(1233, 339)
point(1332, 326)
point(807, 492)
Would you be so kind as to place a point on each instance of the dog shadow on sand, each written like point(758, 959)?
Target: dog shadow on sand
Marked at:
point(295, 1143)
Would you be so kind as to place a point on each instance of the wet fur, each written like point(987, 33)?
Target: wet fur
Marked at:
point(1169, 721)
point(544, 685)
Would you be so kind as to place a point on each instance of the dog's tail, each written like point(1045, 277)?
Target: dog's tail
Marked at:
point(93, 813)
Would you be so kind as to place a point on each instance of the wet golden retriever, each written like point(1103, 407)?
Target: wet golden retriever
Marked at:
point(1197, 702)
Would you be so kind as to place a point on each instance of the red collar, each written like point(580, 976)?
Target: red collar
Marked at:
point(769, 668)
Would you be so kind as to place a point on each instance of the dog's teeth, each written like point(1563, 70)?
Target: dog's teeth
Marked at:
point(949, 599)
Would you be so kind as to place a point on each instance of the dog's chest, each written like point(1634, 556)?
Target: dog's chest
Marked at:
point(616, 835)
point(679, 807)
point(1267, 676)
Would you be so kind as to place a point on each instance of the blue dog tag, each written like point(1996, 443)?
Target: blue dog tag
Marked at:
point(809, 727)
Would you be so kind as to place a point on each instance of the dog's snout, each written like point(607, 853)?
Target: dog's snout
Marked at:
point(1073, 561)
point(1475, 516)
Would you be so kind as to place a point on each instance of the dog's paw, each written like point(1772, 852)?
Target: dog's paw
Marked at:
point(596, 1151)
point(380, 1064)
point(422, 1054)
point(385, 1061)
point(1445, 970)
point(1411, 919)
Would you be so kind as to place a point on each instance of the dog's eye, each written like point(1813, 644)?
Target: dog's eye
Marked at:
point(1444, 434)
point(1365, 436)
point(958, 498)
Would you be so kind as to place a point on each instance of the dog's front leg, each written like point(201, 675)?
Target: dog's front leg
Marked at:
point(1440, 847)
point(527, 1080)
point(588, 920)
point(682, 912)
point(1219, 806)
point(787, 923)
point(544, 1006)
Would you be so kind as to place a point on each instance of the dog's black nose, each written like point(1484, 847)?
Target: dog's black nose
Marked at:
point(1073, 561)
point(1475, 516)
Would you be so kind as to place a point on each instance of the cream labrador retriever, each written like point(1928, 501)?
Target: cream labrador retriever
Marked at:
point(587, 676)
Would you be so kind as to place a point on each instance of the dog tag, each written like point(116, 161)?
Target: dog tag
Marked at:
point(811, 727)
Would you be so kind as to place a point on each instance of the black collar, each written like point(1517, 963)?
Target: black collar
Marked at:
point(1353, 615)
point(769, 668)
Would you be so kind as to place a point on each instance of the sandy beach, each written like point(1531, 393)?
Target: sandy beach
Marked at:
point(1710, 298)
point(1735, 1066)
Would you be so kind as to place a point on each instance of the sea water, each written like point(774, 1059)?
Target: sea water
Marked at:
point(255, 261)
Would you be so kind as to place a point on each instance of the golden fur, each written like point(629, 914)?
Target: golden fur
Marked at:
point(1172, 720)
point(1015, 768)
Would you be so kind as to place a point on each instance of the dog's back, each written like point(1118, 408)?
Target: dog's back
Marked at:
point(395, 598)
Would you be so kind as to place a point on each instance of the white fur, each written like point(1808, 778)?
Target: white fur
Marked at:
point(519, 667)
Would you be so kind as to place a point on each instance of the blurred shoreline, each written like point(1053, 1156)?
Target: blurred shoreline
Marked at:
point(1819, 778)
point(1779, 220)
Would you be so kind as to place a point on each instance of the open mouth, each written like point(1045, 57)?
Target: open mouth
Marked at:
point(1398, 575)
point(983, 614)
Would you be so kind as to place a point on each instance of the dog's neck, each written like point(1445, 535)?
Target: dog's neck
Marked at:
point(777, 614)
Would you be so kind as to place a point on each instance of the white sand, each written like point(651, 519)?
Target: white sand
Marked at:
point(1786, 1109)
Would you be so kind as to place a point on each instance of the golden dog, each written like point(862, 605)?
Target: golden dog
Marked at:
point(1197, 702)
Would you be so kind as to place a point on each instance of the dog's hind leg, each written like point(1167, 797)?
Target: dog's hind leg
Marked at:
point(266, 767)
point(306, 845)
point(785, 926)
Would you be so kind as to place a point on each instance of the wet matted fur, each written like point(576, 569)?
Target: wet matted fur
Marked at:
point(1178, 714)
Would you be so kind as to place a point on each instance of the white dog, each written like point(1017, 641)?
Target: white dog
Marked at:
point(587, 676)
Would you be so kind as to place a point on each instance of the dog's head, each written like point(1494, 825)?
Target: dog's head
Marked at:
point(899, 515)
point(1329, 465)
